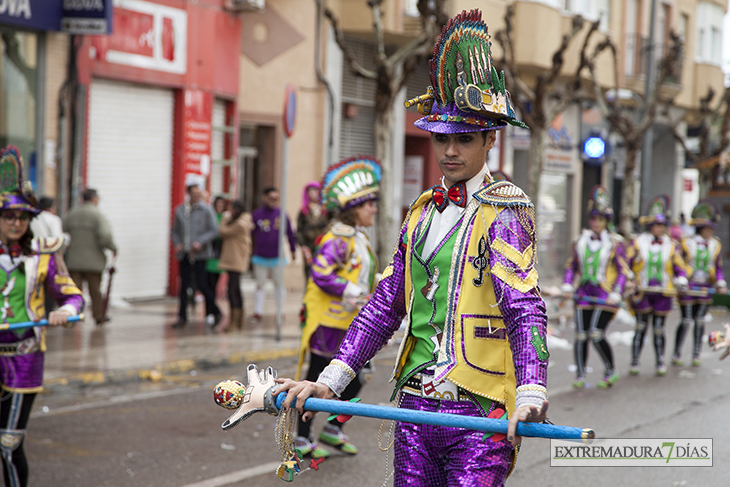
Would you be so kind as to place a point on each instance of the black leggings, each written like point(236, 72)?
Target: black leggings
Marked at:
point(691, 313)
point(642, 323)
point(591, 325)
point(14, 413)
point(317, 363)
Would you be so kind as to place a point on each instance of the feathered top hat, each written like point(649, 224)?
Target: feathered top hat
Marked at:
point(351, 182)
point(599, 203)
point(658, 211)
point(466, 93)
point(15, 194)
point(705, 214)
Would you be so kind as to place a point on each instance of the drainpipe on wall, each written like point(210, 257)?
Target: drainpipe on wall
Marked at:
point(323, 79)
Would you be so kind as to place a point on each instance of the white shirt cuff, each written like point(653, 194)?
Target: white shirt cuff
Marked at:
point(530, 395)
point(352, 290)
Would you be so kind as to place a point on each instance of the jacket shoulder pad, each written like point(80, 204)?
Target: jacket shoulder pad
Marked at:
point(503, 193)
point(48, 245)
point(341, 230)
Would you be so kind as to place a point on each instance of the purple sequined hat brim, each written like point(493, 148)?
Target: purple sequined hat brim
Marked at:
point(605, 214)
point(17, 202)
point(451, 120)
point(658, 218)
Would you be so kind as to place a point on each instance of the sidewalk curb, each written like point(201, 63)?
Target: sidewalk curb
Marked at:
point(158, 372)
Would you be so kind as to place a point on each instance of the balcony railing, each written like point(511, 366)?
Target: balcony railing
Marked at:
point(637, 47)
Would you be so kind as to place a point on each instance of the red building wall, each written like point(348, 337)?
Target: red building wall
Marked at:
point(211, 53)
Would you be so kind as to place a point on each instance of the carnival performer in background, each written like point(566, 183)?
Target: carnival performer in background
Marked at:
point(342, 277)
point(659, 270)
point(312, 222)
point(29, 268)
point(703, 256)
point(597, 258)
point(463, 277)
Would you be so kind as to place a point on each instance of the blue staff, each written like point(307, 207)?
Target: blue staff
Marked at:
point(535, 430)
point(28, 324)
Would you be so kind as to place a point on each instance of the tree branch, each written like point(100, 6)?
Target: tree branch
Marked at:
point(346, 50)
point(375, 7)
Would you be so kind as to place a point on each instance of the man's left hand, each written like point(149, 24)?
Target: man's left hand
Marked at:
point(196, 246)
point(58, 317)
point(525, 414)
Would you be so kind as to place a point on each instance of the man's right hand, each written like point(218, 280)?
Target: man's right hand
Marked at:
point(179, 248)
point(301, 391)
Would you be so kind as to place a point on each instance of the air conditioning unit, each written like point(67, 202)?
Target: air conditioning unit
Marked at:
point(245, 5)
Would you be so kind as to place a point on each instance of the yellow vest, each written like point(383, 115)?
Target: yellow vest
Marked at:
point(480, 365)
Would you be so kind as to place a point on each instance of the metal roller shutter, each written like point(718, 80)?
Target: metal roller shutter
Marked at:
point(130, 164)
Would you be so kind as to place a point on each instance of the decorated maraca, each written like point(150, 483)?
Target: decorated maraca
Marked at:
point(715, 337)
point(229, 394)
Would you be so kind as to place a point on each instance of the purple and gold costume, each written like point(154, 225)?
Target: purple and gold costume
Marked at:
point(658, 268)
point(516, 325)
point(21, 359)
point(703, 257)
point(463, 277)
point(599, 263)
point(28, 270)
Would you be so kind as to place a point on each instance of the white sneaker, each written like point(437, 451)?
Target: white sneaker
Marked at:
point(210, 320)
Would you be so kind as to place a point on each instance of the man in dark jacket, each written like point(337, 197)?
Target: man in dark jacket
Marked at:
point(193, 232)
point(90, 235)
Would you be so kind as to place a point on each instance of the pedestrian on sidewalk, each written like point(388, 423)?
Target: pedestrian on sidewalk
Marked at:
point(463, 276)
point(596, 261)
point(311, 224)
point(193, 231)
point(235, 230)
point(703, 254)
point(266, 258)
point(342, 278)
point(48, 223)
point(659, 270)
point(220, 207)
point(91, 236)
point(40, 261)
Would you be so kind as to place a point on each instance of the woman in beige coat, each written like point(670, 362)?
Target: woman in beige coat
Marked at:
point(235, 231)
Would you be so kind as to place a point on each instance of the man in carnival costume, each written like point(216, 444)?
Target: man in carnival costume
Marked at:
point(29, 268)
point(463, 276)
point(597, 258)
point(656, 262)
point(703, 255)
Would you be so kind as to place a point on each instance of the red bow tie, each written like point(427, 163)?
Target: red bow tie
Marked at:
point(13, 251)
point(595, 237)
point(657, 241)
point(456, 194)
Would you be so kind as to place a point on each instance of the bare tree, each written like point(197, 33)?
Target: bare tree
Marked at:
point(632, 123)
point(713, 131)
point(551, 94)
point(390, 73)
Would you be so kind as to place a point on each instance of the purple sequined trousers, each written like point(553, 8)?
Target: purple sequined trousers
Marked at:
point(437, 456)
point(26, 371)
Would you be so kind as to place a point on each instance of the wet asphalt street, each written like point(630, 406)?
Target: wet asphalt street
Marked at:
point(167, 433)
